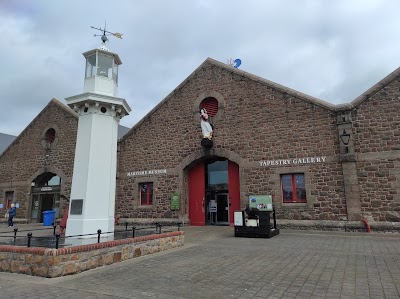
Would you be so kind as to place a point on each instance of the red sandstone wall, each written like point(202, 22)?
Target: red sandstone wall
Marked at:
point(258, 123)
point(376, 124)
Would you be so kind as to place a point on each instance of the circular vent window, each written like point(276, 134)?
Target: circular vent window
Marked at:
point(211, 105)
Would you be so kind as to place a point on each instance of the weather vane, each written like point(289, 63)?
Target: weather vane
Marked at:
point(106, 33)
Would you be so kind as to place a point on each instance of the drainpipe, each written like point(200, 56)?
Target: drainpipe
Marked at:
point(365, 220)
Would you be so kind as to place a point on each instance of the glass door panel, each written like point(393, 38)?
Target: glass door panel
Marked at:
point(222, 208)
point(35, 207)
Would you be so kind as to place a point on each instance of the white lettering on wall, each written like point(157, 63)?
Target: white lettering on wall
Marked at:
point(306, 160)
point(147, 172)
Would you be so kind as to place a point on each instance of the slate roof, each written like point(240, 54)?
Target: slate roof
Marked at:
point(5, 141)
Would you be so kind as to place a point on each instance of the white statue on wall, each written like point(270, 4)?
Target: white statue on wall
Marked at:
point(205, 124)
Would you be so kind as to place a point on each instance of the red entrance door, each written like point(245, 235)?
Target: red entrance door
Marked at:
point(196, 195)
point(234, 189)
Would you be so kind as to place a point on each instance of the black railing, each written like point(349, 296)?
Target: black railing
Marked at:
point(56, 240)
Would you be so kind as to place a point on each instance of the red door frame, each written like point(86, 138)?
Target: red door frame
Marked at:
point(234, 189)
point(196, 195)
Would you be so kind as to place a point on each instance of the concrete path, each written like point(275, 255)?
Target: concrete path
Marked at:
point(214, 264)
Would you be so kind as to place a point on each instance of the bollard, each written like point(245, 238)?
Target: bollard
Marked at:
point(274, 217)
point(98, 235)
point(29, 239)
point(15, 234)
point(179, 226)
point(133, 231)
point(57, 240)
point(54, 229)
point(126, 225)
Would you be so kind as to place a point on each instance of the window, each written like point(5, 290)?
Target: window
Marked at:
point(211, 105)
point(90, 66)
point(9, 199)
point(50, 135)
point(54, 181)
point(146, 194)
point(293, 188)
point(105, 66)
point(217, 175)
point(115, 72)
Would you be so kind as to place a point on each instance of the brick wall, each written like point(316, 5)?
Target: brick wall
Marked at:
point(51, 263)
point(376, 124)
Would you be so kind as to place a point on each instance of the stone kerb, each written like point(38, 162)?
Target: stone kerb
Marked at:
point(51, 263)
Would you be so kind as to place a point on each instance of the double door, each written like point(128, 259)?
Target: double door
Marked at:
point(199, 198)
point(218, 209)
point(43, 202)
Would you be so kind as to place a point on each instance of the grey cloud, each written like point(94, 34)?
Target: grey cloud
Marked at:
point(333, 50)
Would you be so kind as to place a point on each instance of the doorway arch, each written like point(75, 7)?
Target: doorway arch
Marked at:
point(45, 191)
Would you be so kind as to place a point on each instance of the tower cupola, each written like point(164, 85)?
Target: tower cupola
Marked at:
point(101, 73)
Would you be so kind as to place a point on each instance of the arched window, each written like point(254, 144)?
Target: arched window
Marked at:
point(50, 135)
point(47, 179)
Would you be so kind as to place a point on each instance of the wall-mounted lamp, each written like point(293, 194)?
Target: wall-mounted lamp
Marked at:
point(345, 137)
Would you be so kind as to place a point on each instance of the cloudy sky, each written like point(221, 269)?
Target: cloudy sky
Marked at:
point(332, 50)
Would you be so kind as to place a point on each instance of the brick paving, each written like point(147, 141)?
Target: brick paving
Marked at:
point(214, 264)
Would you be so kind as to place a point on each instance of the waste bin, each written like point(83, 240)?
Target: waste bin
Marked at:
point(48, 217)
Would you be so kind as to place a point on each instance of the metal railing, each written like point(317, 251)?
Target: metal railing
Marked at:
point(56, 240)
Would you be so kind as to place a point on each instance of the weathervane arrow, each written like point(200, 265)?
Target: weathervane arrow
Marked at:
point(106, 33)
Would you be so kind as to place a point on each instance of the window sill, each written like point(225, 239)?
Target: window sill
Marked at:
point(145, 207)
point(294, 205)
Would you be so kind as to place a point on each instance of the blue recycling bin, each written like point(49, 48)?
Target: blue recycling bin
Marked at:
point(48, 217)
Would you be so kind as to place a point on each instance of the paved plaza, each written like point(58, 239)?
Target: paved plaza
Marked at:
point(214, 264)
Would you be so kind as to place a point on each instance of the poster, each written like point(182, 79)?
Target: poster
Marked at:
point(175, 201)
point(238, 218)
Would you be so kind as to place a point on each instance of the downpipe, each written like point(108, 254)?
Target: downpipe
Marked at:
point(365, 220)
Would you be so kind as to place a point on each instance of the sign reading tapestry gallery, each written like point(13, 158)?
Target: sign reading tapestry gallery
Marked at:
point(296, 161)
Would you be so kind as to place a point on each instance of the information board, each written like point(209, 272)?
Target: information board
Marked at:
point(261, 202)
point(175, 201)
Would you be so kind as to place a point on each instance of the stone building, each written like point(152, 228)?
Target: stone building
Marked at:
point(36, 168)
point(323, 164)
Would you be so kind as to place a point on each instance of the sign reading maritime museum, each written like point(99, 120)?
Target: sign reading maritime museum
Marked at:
point(295, 161)
point(147, 172)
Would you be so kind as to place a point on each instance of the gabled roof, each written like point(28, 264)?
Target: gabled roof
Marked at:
point(374, 89)
point(121, 129)
point(283, 89)
point(286, 90)
point(53, 101)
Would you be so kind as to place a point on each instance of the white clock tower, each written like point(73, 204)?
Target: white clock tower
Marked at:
point(92, 203)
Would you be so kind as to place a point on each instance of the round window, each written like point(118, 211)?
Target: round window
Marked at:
point(211, 105)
